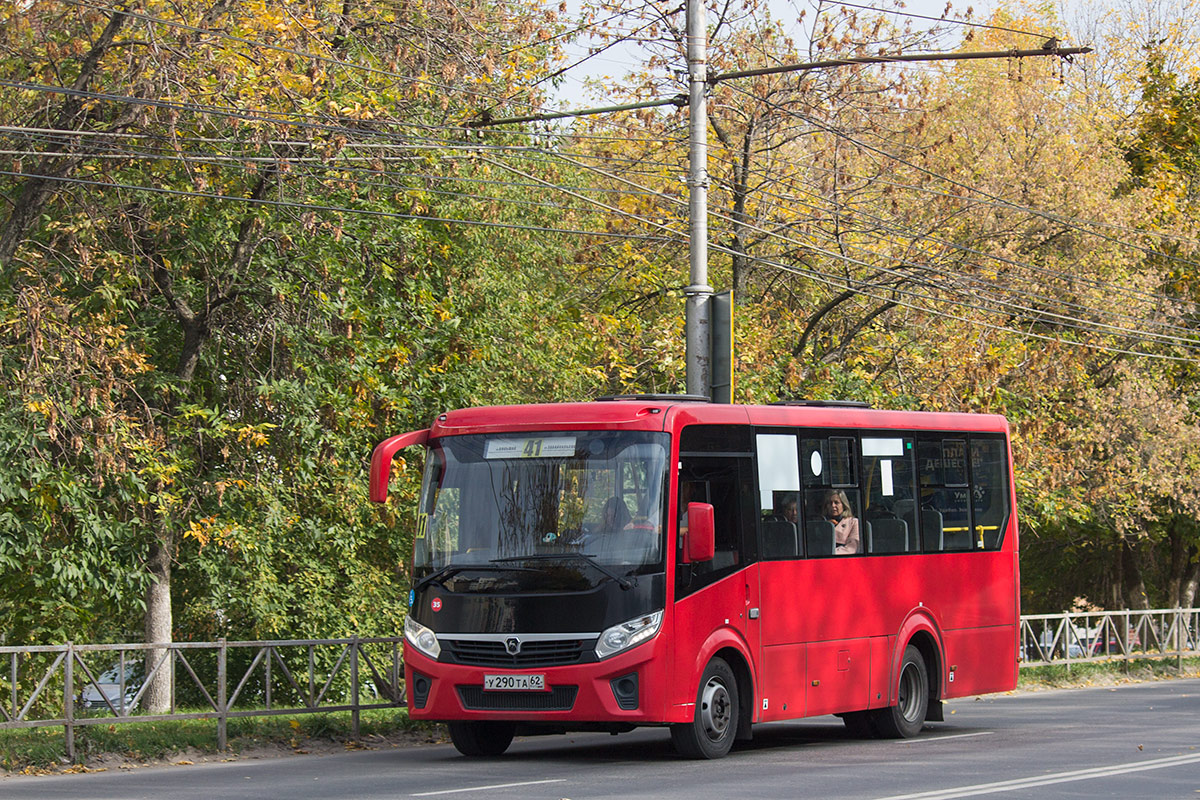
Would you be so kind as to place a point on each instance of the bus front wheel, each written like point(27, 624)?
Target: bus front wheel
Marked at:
point(481, 738)
point(905, 719)
point(714, 725)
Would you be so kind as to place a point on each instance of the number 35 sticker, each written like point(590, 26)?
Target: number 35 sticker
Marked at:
point(436, 604)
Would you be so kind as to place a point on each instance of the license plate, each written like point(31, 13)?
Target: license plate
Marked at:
point(514, 683)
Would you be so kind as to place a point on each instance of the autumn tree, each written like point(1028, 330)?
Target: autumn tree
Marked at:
point(220, 214)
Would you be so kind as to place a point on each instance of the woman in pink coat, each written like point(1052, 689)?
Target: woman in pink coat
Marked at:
point(836, 509)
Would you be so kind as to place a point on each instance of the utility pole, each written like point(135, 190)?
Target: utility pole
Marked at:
point(698, 310)
point(698, 292)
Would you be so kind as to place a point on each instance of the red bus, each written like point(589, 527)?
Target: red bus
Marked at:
point(665, 561)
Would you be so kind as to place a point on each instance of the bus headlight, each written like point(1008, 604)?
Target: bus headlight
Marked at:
point(621, 637)
point(421, 638)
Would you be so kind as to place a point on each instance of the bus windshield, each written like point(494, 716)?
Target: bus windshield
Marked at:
point(503, 511)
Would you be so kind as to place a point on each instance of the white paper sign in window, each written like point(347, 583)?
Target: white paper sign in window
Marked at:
point(882, 447)
point(778, 466)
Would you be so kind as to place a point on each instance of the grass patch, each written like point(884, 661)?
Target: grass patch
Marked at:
point(38, 749)
point(1104, 673)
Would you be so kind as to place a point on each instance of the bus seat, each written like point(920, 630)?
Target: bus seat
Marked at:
point(819, 537)
point(887, 536)
point(931, 529)
point(779, 539)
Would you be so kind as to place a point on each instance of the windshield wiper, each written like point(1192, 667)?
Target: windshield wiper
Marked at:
point(587, 558)
point(440, 576)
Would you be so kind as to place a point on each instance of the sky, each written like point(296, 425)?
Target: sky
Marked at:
point(615, 62)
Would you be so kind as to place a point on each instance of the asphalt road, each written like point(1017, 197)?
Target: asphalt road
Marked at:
point(1135, 741)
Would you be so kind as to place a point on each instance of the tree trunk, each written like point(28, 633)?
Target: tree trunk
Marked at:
point(1135, 585)
point(196, 328)
point(1177, 564)
point(1190, 584)
point(157, 698)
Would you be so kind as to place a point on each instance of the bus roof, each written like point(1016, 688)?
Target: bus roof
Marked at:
point(660, 412)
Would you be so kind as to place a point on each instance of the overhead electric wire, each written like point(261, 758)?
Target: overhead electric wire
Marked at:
point(287, 119)
point(335, 209)
point(981, 200)
point(965, 23)
point(1106, 286)
point(1081, 325)
point(1064, 319)
point(316, 164)
point(811, 273)
point(498, 97)
point(849, 285)
point(474, 147)
point(1091, 326)
point(1052, 299)
point(67, 134)
point(357, 131)
point(1081, 227)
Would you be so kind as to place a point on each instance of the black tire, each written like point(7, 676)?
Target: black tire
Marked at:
point(905, 719)
point(714, 726)
point(482, 738)
point(860, 724)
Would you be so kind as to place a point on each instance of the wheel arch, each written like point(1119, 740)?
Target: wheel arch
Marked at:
point(920, 631)
point(930, 651)
point(745, 688)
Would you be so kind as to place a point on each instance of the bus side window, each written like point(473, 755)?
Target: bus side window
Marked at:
point(989, 491)
point(833, 522)
point(889, 489)
point(943, 508)
point(723, 477)
point(778, 495)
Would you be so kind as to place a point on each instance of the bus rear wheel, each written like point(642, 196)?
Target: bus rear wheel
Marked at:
point(714, 725)
point(905, 719)
point(482, 738)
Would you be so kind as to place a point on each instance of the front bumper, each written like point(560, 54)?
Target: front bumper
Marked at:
point(595, 692)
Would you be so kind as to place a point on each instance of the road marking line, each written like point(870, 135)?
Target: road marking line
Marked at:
point(485, 788)
point(943, 738)
point(1046, 780)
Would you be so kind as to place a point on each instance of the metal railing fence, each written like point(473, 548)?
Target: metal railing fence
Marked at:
point(1087, 636)
point(76, 685)
point(61, 685)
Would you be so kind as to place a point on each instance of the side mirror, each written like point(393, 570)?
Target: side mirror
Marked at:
point(700, 544)
point(381, 460)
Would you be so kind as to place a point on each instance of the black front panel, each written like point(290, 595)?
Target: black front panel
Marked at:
point(591, 611)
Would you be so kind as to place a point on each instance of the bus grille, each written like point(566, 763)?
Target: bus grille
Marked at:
point(559, 698)
point(533, 654)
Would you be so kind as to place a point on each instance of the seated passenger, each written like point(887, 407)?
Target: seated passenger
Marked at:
point(615, 515)
point(836, 509)
point(788, 510)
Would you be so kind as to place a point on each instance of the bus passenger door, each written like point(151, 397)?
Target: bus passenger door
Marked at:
point(782, 573)
point(719, 598)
